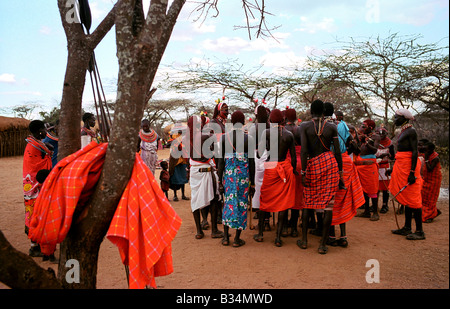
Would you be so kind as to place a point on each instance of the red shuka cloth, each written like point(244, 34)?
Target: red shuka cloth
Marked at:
point(146, 221)
point(322, 180)
point(346, 202)
point(278, 187)
point(35, 158)
point(411, 196)
point(430, 190)
point(299, 202)
point(368, 175)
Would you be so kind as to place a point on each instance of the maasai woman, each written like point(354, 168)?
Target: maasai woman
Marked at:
point(432, 177)
point(148, 144)
point(236, 172)
point(36, 157)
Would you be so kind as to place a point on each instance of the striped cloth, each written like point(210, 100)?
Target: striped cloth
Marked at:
point(431, 189)
point(346, 202)
point(368, 175)
point(322, 180)
point(142, 227)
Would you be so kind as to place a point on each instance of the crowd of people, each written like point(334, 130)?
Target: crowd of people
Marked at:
point(314, 174)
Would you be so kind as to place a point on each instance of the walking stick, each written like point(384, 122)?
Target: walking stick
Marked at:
point(393, 204)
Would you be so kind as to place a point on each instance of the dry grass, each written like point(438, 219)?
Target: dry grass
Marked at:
point(445, 177)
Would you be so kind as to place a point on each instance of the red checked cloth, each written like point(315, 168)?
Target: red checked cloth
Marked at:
point(143, 226)
point(322, 181)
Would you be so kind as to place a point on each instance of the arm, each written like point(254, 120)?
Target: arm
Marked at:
point(303, 152)
point(412, 137)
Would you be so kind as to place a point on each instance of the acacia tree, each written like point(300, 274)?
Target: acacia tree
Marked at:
point(377, 69)
point(141, 42)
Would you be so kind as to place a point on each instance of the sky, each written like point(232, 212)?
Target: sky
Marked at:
point(33, 47)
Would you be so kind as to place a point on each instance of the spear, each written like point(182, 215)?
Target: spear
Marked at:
point(393, 204)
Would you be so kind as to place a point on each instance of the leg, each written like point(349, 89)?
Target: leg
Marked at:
point(366, 213)
point(319, 227)
point(406, 229)
point(385, 208)
point(284, 231)
point(293, 222)
point(261, 218)
point(332, 237)
point(205, 212)
point(238, 242)
point(215, 233)
point(199, 234)
point(327, 218)
point(183, 196)
point(226, 236)
point(175, 197)
point(343, 240)
point(279, 232)
point(375, 216)
point(306, 213)
point(418, 234)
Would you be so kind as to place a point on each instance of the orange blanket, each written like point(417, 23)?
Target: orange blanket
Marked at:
point(278, 187)
point(299, 202)
point(431, 189)
point(411, 196)
point(346, 202)
point(368, 175)
point(147, 220)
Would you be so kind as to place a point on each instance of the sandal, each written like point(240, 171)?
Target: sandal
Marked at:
point(342, 242)
point(278, 242)
point(217, 234)
point(225, 242)
point(199, 236)
point(258, 238)
point(302, 244)
point(238, 243)
point(204, 225)
point(332, 241)
point(185, 198)
point(323, 250)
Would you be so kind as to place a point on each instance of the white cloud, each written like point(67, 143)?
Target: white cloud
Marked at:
point(203, 28)
point(282, 61)
point(45, 30)
point(7, 78)
point(327, 24)
point(35, 93)
point(235, 45)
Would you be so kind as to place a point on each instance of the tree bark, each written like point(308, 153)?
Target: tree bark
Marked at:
point(19, 271)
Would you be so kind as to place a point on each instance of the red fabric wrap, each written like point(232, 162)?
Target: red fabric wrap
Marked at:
point(278, 187)
point(322, 180)
point(368, 175)
point(430, 189)
point(299, 202)
point(346, 202)
point(411, 196)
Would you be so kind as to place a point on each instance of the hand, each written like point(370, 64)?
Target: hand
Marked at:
point(388, 172)
point(251, 191)
point(411, 178)
point(221, 190)
point(304, 181)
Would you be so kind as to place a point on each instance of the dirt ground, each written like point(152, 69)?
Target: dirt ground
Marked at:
point(206, 264)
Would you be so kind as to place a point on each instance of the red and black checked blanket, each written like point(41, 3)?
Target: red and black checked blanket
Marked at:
point(322, 180)
point(142, 228)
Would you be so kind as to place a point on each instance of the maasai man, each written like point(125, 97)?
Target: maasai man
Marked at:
point(37, 156)
point(278, 187)
point(220, 118)
point(406, 176)
point(385, 153)
point(52, 139)
point(322, 173)
point(366, 164)
point(291, 126)
point(236, 178)
point(148, 145)
point(87, 131)
point(432, 177)
point(203, 177)
point(347, 200)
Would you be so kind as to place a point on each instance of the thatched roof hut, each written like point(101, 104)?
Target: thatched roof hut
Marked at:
point(13, 132)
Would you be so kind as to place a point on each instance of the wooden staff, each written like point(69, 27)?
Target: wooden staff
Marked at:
point(393, 204)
